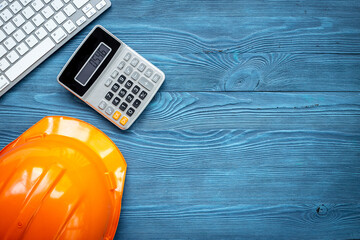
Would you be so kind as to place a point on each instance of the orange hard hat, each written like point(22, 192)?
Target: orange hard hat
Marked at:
point(61, 179)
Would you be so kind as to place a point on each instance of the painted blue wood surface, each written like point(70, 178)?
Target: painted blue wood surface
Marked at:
point(254, 134)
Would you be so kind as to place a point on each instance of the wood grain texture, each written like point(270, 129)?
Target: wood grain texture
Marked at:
point(254, 134)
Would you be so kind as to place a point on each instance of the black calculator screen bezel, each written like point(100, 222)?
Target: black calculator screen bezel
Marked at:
point(80, 58)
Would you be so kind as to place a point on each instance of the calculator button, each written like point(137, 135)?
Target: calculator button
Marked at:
point(116, 101)
point(149, 72)
point(135, 90)
point(122, 92)
point(109, 110)
point(128, 84)
point(109, 96)
point(141, 67)
point(124, 120)
point(128, 70)
point(142, 95)
point(155, 78)
point(114, 74)
point(146, 83)
point(102, 105)
point(108, 82)
point(116, 115)
point(127, 57)
point(129, 98)
point(121, 79)
point(115, 87)
point(123, 106)
point(121, 65)
point(135, 76)
point(130, 112)
point(134, 62)
point(137, 103)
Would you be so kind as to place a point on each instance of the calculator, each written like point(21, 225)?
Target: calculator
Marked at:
point(111, 77)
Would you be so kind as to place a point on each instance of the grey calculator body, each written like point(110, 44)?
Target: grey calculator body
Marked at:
point(111, 77)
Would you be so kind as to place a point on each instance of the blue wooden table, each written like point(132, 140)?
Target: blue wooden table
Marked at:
point(255, 133)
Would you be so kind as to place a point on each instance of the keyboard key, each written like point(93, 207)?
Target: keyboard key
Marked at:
point(31, 41)
point(143, 95)
point(69, 10)
point(109, 110)
point(115, 87)
point(87, 8)
point(60, 18)
point(116, 115)
point(141, 67)
point(2, 35)
point(156, 78)
point(121, 65)
point(47, 12)
point(135, 76)
point(6, 15)
point(128, 84)
point(38, 19)
point(41, 33)
point(136, 103)
point(69, 26)
point(9, 28)
point(123, 106)
point(18, 20)
point(37, 5)
point(28, 27)
point(149, 72)
point(81, 20)
point(135, 90)
point(108, 82)
point(134, 62)
point(130, 112)
point(50, 25)
point(146, 83)
point(80, 3)
point(3, 5)
point(90, 13)
point(29, 59)
point(123, 121)
point(127, 57)
point(3, 82)
point(28, 12)
point(25, 2)
point(102, 105)
point(15, 7)
point(58, 35)
point(128, 70)
point(109, 96)
point(116, 101)
point(12, 56)
point(121, 79)
point(122, 92)
point(4, 64)
point(100, 5)
point(129, 98)
point(57, 4)
point(114, 74)
point(9, 43)
point(2, 51)
point(22, 48)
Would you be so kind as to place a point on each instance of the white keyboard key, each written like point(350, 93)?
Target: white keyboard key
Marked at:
point(58, 35)
point(81, 20)
point(19, 35)
point(3, 5)
point(87, 8)
point(22, 48)
point(3, 82)
point(29, 59)
point(47, 12)
point(37, 5)
point(28, 12)
point(100, 5)
point(38, 19)
point(31, 41)
point(9, 43)
point(1, 22)
point(4, 64)
point(2, 50)
point(69, 10)
point(2, 35)
point(12, 56)
point(57, 4)
point(15, 7)
point(47, 1)
point(69, 26)
point(80, 3)
point(28, 27)
point(6, 15)
point(18, 20)
point(50, 25)
point(66, 1)
point(9, 28)
point(91, 12)
point(60, 17)
point(40, 33)
point(25, 2)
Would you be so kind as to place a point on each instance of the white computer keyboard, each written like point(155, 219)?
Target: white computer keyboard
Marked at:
point(31, 30)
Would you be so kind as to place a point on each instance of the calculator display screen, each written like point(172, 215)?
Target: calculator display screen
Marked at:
point(92, 64)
